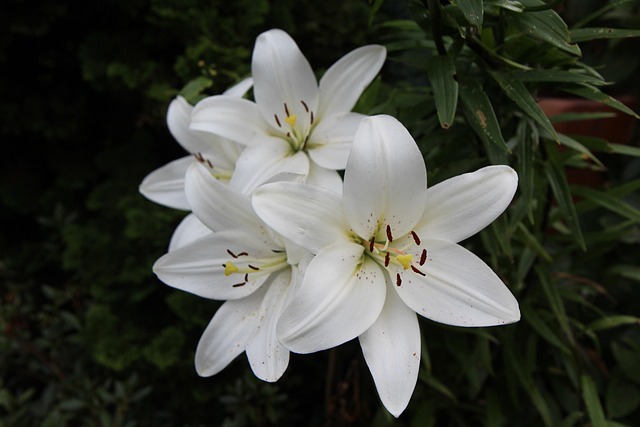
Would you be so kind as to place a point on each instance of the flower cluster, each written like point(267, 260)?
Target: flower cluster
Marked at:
point(304, 260)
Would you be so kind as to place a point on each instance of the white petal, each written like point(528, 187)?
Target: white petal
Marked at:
point(341, 296)
point(179, 120)
point(325, 178)
point(165, 185)
point(198, 268)
point(462, 206)
point(233, 118)
point(391, 348)
point(282, 75)
point(344, 82)
point(267, 357)
point(227, 334)
point(331, 140)
point(216, 205)
point(385, 178)
point(263, 159)
point(309, 216)
point(239, 89)
point(458, 289)
point(189, 230)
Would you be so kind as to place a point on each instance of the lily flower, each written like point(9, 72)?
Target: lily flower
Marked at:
point(227, 253)
point(387, 249)
point(165, 185)
point(295, 124)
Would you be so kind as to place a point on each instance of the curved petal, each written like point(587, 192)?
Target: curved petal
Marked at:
point(340, 297)
point(385, 179)
point(331, 140)
point(165, 185)
point(267, 356)
point(325, 178)
point(344, 82)
point(391, 348)
point(463, 205)
point(307, 215)
point(262, 160)
point(233, 118)
point(178, 121)
point(216, 205)
point(282, 75)
point(199, 267)
point(458, 289)
point(189, 230)
point(239, 89)
point(227, 334)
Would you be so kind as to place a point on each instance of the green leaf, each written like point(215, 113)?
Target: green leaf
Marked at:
point(622, 397)
point(631, 272)
point(557, 76)
point(531, 316)
point(479, 113)
point(625, 150)
point(560, 188)
point(609, 202)
point(572, 419)
point(557, 306)
point(613, 322)
point(533, 243)
point(192, 91)
point(595, 94)
point(518, 92)
point(527, 136)
point(442, 75)
point(512, 5)
point(586, 34)
point(567, 141)
point(592, 402)
point(472, 11)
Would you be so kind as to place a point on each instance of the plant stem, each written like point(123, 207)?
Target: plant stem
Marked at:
point(436, 25)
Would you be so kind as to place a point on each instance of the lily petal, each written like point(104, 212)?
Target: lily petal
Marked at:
point(187, 269)
point(463, 205)
point(307, 215)
point(266, 157)
point(325, 178)
point(458, 289)
point(267, 356)
point(227, 334)
point(341, 296)
point(178, 121)
point(391, 348)
point(239, 89)
point(282, 75)
point(344, 82)
point(165, 185)
point(189, 230)
point(331, 140)
point(385, 178)
point(233, 118)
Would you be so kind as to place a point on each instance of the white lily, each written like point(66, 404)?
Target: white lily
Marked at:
point(235, 258)
point(295, 124)
point(165, 185)
point(387, 249)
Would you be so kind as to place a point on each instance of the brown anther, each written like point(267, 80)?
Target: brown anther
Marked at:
point(199, 157)
point(288, 134)
point(389, 236)
point(387, 259)
point(371, 243)
point(275, 116)
point(231, 253)
point(312, 117)
point(398, 279)
point(243, 254)
point(415, 270)
point(423, 257)
point(415, 237)
point(237, 285)
point(253, 267)
point(286, 109)
point(304, 104)
point(246, 277)
point(209, 164)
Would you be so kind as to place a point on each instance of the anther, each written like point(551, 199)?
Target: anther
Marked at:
point(237, 285)
point(371, 243)
point(398, 279)
point(415, 237)
point(246, 277)
point(199, 157)
point(209, 164)
point(304, 104)
point(243, 254)
point(275, 116)
point(231, 253)
point(389, 236)
point(253, 267)
point(286, 109)
point(415, 270)
point(423, 257)
point(387, 259)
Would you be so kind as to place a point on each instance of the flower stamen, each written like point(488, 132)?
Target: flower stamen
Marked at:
point(389, 235)
point(304, 104)
point(275, 116)
point(415, 237)
point(423, 257)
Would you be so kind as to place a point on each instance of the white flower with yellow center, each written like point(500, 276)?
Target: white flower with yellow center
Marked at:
point(295, 124)
point(387, 249)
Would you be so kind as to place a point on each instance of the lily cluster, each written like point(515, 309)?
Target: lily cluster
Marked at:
point(305, 260)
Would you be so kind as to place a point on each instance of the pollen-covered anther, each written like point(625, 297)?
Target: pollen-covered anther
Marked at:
point(389, 235)
point(387, 259)
point(304, 104)
point(275, 116)
point(398, 279)
point(423, 257)
point(416, 270)
point(415, 237)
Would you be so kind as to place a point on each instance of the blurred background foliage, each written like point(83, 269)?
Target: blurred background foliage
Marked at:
point(89, 337)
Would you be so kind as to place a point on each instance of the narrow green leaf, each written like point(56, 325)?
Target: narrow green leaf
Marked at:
point(532, 242)
point(531, 316)
point(557, 76)
point(572, 419)
point(479, 112)
point(627, 271)
point(578, 117)
point(613, 322)
point(527, 136)
point(608, 5)
point(592, 402)
point(609, 202)
point(442, 75)
point(586, 34)
point(471, 9)
point(557, 306)
point(595, 94)
point(518, 92)
point(560, 188)
point(626, 150)
point(512, 5)
point(192, 91)
point(567, 141)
